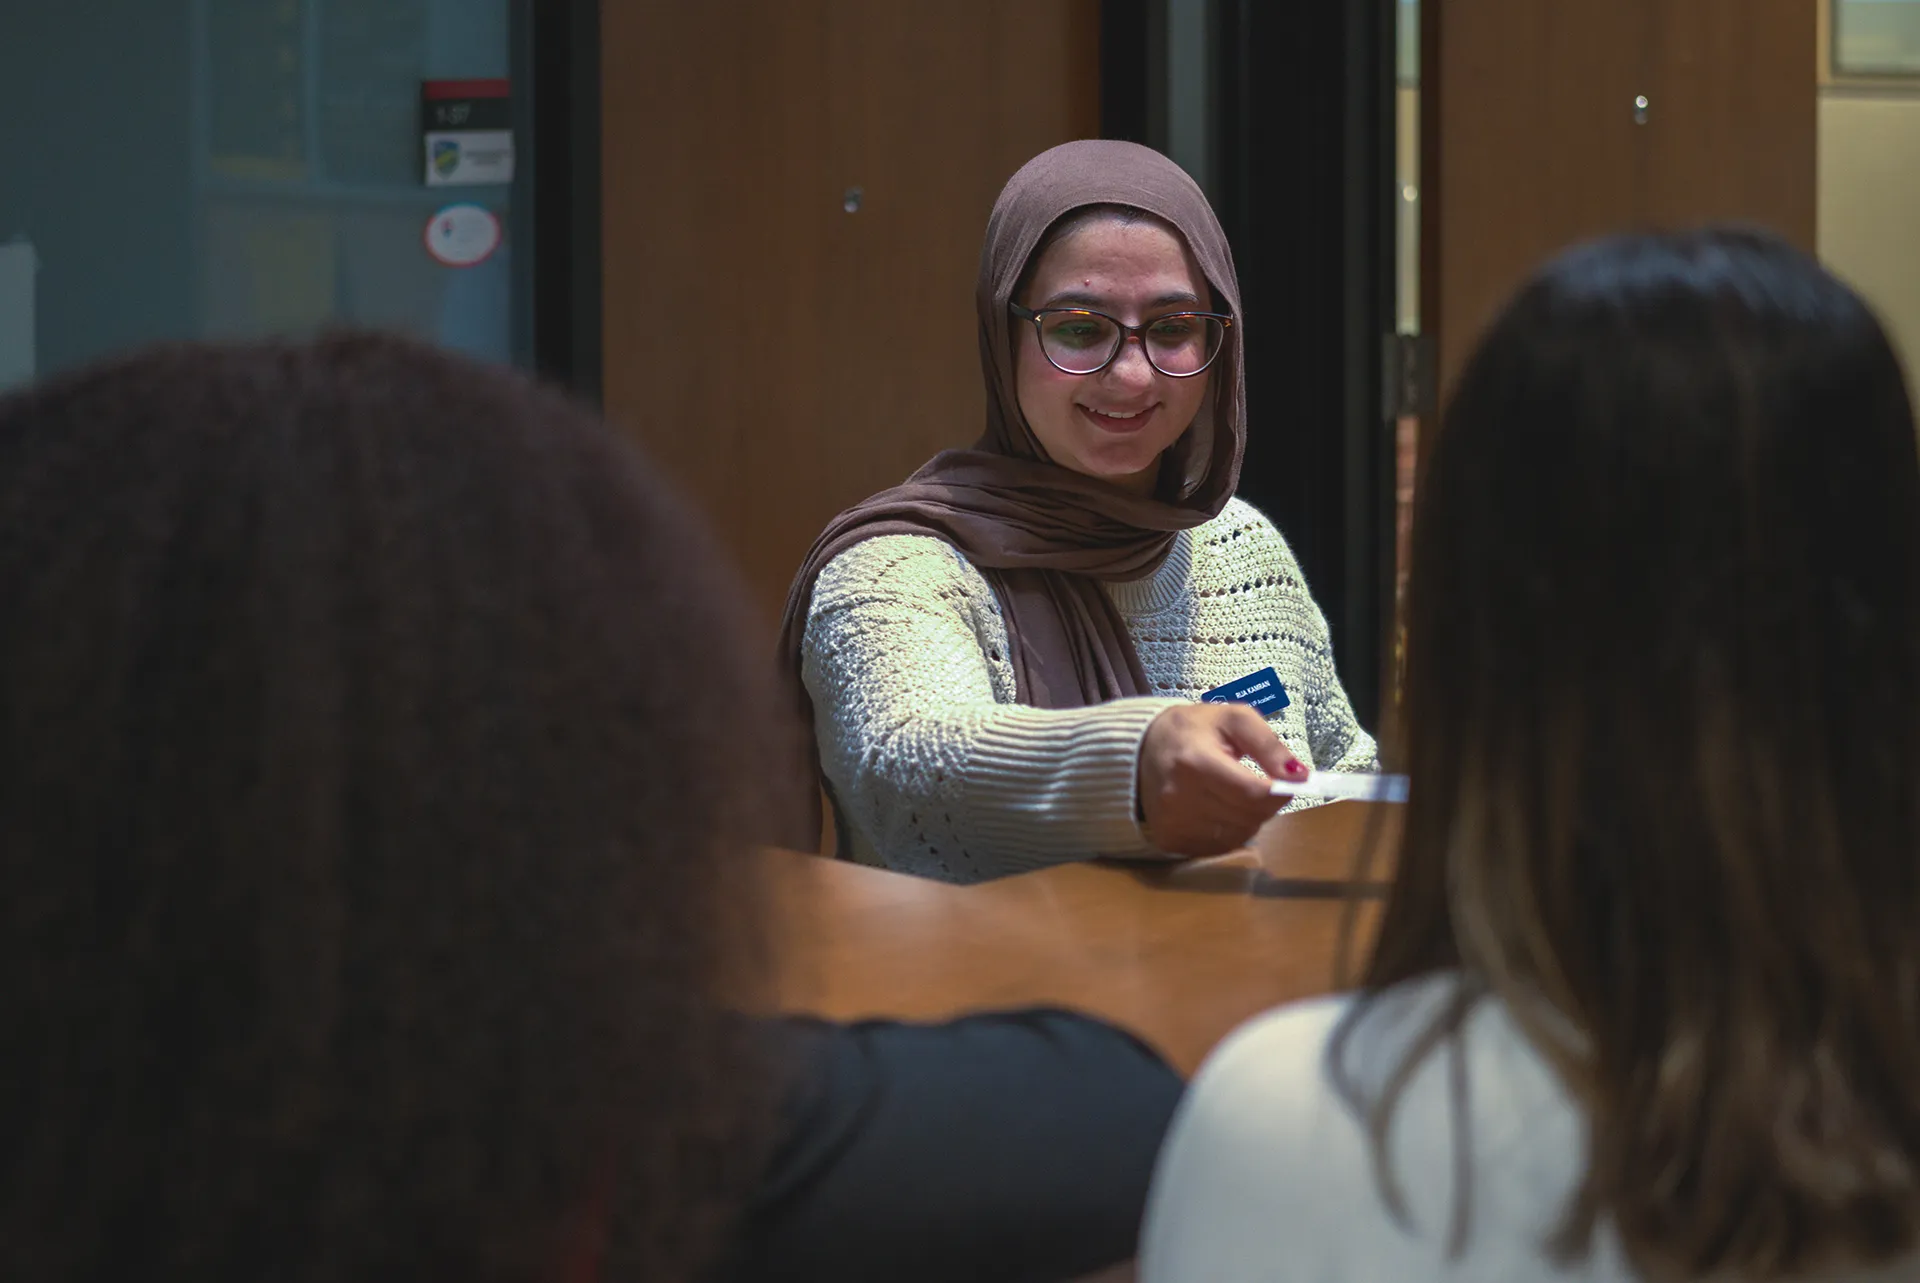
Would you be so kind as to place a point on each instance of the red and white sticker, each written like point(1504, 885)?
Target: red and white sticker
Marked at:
point(462, 235)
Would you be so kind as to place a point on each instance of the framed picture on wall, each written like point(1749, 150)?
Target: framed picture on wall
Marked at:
point(1875, 37)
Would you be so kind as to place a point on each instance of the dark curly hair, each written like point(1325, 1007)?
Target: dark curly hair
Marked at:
point(368, 830)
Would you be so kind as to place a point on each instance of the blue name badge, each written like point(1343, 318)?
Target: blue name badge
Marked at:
point(1262, 690)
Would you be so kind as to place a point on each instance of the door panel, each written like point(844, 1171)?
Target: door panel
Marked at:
point(782, 356)
point(1531, 144)
point(715, 221)
point(1731, 130)
point(1535, 147)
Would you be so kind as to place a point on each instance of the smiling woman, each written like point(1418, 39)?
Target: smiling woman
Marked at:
point(1108, 396)
point(1011, 659)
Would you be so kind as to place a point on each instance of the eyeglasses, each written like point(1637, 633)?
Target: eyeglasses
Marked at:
point(1077, 341)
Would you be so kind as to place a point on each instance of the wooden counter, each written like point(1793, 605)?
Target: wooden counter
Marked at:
point(1179, 954)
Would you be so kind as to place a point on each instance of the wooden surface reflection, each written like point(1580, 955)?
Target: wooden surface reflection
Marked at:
point(1179, 954)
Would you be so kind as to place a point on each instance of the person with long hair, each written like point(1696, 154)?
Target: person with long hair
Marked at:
point(1644, 1001)
point(378, 896)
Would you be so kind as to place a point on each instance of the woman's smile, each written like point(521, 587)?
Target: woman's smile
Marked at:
point(1119, 420)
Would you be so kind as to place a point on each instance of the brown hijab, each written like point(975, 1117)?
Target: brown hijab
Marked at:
point(1041, 534)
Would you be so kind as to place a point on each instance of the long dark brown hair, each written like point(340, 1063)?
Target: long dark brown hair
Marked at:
point(1663, 723)
point(368, 830)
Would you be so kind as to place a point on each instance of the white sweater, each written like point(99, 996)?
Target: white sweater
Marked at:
point(936, 769)
point(1268, 1175)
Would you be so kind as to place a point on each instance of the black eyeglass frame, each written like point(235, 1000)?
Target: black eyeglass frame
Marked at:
point(1126, 332)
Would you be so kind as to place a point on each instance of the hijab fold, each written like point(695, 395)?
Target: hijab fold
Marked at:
point(1043, 535)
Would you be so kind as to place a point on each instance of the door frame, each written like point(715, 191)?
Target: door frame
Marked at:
point(1304, 149)
point(556, 190)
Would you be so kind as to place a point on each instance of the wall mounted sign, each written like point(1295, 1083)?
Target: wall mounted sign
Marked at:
point(466, 129)
point(462, 235)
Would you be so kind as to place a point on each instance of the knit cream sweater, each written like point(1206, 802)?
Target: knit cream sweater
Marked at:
point(936, 770)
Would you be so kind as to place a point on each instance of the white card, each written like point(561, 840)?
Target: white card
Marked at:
point(1346, 786)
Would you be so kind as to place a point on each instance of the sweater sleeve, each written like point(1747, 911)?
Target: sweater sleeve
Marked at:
point(943, 779)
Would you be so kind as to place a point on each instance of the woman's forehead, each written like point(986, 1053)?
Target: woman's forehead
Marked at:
point(1137, 259)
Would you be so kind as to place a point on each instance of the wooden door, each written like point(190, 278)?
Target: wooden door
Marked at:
point(1529, 146)
point(1531, 139)
point(1731, 131)
point(783, 344)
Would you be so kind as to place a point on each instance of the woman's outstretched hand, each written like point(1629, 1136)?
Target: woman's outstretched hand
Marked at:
point(1195, 796)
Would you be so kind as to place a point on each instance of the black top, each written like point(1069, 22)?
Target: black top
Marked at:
point(1011, 1147)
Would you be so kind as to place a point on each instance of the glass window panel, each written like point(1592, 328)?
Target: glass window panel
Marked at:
point(227, 168)
point(1876, 37)
point(1407, 43)
point(1407, 294)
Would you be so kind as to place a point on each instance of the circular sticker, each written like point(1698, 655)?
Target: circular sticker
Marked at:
point(462, 235)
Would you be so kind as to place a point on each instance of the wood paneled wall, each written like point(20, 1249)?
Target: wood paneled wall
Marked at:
point(781, 356)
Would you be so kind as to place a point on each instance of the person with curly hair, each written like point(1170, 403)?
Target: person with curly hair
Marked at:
point(375, 824)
